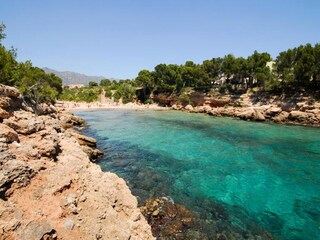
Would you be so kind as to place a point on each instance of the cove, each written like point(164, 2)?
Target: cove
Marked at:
point(251, 175)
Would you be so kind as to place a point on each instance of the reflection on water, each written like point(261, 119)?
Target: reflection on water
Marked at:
point(243, 175)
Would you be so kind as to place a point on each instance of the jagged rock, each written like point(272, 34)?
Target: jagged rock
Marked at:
point(4, 114)
point(247, 115)
point(258, 116)
point(41, 144)
point(299, 116)
point(4, 102)
point(6, 156)
point(167, 220)
point(273, 111)
point(82, 139)
point(282, 117)
point(44, 109)
point(188, 107)
point(34, 230)
point(25, 126)
point(199, 109)
point(68, 120)
point(176, 107)
point(14, 174)
point(94, 154)
point(207, 109)
point(8, 91)
point(8, 133)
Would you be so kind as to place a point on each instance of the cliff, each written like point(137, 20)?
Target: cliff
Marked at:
point(49, 188)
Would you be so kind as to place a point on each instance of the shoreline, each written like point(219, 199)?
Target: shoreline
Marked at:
point(257, 113)
point(74, 106)
point(50, 185)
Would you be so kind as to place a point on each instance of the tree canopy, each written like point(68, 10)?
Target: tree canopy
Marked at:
point(31, 81)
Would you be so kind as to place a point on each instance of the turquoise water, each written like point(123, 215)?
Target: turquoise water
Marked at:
point(260, 175)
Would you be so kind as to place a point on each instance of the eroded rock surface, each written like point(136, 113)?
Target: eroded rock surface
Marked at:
point(49, 188)
point(280, 109)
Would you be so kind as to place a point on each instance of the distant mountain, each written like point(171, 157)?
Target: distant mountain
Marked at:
point(74, 77)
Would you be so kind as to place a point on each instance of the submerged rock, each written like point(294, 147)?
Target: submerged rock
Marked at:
point(167, 220)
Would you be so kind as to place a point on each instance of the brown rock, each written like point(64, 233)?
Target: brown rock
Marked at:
point(281, 118)
point(8, 91)
point(25, 126)
point(188, 107)
point(14, 174)
point(82, 139)
point(247, 115)
point(94, 154)
point(299, 116)
point(176, 107)
point(207, 109)
point(4, 102)
point(35, 230)
point(273, 111)
point(167, 220)
point(8, 133)
point(4, 114)
point(258, 116)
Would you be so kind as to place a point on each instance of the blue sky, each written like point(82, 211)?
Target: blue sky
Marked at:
point(118, 38)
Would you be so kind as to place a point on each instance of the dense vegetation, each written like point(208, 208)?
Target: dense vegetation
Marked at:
point(294, 69)
point(31, 81)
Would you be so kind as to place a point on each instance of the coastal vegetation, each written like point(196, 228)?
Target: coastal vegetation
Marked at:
point(31, 81)
point(294, 70)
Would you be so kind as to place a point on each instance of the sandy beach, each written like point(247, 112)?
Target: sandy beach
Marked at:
point(73, 106)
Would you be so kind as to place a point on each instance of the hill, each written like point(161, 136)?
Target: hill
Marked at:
point(69, 77)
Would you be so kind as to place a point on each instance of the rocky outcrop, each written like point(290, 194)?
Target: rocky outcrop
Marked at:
point(49, 188)
point(168, 220)
point(280, 110)
point(88, 144)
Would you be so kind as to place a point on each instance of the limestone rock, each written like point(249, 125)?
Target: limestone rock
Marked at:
point(82, 139)
point(188, 107)
point(273, 111)
point(281, 118)
point(299, 116)
point(4, 102)
point(8, 91)
point(258, 116)
point(14, 174)
point(35, 230)
point(176, 107)
point(25, 126)
point(168, 220)
point(4, 114)
point(247, 115)
point(69, 224)
point(207, 109)
point(94, 154)
point(199, 109)
point(8, 133)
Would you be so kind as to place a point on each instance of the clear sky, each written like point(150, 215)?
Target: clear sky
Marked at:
point(118, 38)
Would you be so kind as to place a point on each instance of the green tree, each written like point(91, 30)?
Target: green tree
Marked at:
point(105, 82)
point(2, 34)
point(146, 81)
point(93, 84)
point(258, 69)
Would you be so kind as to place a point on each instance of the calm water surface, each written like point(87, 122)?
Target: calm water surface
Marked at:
point(264, 174)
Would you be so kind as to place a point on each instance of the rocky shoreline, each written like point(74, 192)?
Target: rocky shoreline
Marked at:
point(49, 187)
point(293, 110)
